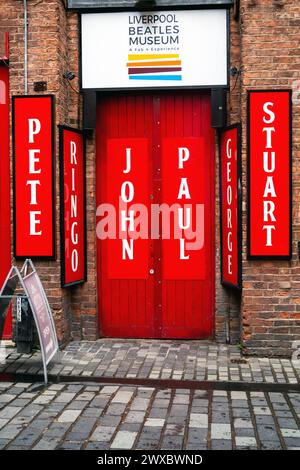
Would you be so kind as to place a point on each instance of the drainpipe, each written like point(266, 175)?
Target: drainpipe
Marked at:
point(228, 335)
point(25, 47)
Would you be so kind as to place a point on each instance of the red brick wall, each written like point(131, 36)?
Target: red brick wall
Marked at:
point(265, 47)
point(270, 54)
point(228, 300)
point(52, 50)
point(47, 53)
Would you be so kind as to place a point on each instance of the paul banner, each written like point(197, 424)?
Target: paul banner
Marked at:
point(231, 206)
point(269, 174)
point(73, 219)
point(33, 158)
point(184, 255)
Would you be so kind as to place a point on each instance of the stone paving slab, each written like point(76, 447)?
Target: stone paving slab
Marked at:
point(147, 418)
point(158, 359)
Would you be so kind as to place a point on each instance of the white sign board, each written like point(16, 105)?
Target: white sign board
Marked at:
point(154, 49)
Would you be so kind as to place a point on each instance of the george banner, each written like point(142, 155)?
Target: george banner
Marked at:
point(72, 206)
point(33, 162)
point(231, 206)
point(269, 174)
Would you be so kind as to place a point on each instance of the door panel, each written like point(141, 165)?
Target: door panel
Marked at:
point(125, 305)
point(156, 294)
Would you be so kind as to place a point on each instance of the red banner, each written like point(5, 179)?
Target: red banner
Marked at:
point(73, 219)
point(5, 241)
point(183, 194)
point(269, 174)
point(33, 176)
point(230, 206)
point(126, 218)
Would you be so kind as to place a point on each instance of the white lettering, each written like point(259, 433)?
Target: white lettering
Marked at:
point(74, 235)
point(183, 156)
point(73, 150)
point(269, 188)
point(33, 184)
point(125, 219)
point(127, 249)
point(130, 196)
point(228, 148)
point(182, 249)
point(74, 205)
point(74, 260)
point(128, 160)
point(184, 189)
point(32, 161)
point(181, 224)
point(269, 208)
point(267, 168)
point(268, 131)
point(270, 113)
point(34, 128)
point(269, 229)
point(34, 222)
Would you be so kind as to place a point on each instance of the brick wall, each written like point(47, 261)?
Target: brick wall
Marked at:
point(265, 47)
point(270, 55)
point(52, 50)
point(228, 300)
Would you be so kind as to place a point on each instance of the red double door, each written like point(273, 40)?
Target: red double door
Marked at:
point(155, 215)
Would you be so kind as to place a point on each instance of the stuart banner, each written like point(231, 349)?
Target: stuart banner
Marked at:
point(230, 206)
point(73, 219)
point(154, 49)
point(33, 152)
point(269, 174)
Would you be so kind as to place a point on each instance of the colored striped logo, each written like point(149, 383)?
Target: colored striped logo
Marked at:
point(154, 67)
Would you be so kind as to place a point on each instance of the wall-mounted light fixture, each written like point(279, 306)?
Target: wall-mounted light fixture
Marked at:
point(144, 4)
point(69, 75)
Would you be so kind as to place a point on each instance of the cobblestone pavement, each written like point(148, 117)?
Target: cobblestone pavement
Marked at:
point(154, 359)
point(78, 416)
point(263, 411)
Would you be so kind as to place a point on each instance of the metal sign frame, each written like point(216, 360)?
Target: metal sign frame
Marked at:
point(7, 297)
point(103, 5)
point(23, 274)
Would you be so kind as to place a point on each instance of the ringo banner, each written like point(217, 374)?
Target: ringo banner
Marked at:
point(72, 210)
point(230, 206)
point(269, 174)
point(33, 153)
